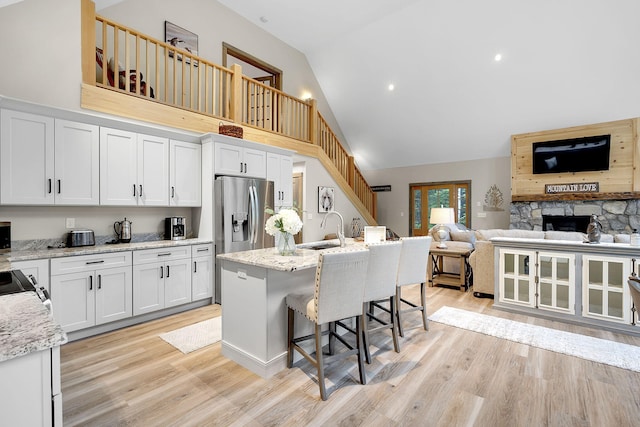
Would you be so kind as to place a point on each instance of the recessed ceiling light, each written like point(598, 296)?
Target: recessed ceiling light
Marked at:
point(498, 57)
point(264, 19)
point(391, 87)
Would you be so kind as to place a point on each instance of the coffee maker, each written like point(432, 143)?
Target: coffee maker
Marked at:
point(175, 228)
point(5, 236)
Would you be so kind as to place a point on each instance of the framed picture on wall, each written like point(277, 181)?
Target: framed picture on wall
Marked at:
point(326, 199)
point(181, 39)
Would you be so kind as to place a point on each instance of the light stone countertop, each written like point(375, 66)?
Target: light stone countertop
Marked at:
point(25, 255)
point(270, 258)
point(26, 326)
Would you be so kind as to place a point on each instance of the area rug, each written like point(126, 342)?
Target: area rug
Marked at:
point(196, 336)
point(599, 350)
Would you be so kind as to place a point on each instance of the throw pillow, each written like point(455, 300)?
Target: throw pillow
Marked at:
point(463, 236)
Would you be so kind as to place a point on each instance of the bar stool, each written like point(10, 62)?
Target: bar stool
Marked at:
point(382, 272)
point(339, 290)
point(413, 269)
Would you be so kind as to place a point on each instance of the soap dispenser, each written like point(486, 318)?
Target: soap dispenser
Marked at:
point(635, 238)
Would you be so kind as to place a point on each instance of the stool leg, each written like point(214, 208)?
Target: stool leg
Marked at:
point(394, 325)
point(320, 362)
point(363, 374)
point(423, 299)
point(399, 310)
point(290, 316)
point(365, 333)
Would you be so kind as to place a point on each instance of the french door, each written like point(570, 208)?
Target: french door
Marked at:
point(434, 195)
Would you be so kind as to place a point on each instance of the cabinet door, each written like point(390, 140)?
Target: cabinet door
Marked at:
point(517, 277)
point(605, 292)
point(153, 171)
point(280, 171)
point(148, 291)
point(177, 282)
point(184, 174)
point(114, 294)
point(556, 281)
point(26, 158)
point(118, 167)
point(202, 278)
point(255, 163)
point(72, 297)
point(77, 164)
point(228, 159)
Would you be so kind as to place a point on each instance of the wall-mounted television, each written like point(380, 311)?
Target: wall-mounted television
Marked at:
point(590, 153)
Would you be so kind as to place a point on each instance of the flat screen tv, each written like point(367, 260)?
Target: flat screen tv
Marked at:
point(572, 155)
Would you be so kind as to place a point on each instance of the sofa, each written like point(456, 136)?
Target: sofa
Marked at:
point(482, 260)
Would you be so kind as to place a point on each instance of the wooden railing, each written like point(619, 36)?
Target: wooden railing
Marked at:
point(177, 78)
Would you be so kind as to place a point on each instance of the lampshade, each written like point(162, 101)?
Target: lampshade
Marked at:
point(442, 216)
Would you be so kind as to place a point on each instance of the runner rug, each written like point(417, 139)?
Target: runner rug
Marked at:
point(196, 336)
point(599, 350)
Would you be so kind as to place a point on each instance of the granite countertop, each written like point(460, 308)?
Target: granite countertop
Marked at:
point(26, 326)
point(25, 255)
point(303, 258)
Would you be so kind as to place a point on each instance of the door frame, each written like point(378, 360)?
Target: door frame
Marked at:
point(443, 184)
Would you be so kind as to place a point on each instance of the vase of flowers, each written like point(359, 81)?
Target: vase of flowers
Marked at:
point(283, 225)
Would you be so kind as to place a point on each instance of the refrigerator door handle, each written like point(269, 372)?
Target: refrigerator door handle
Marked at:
point(253, 197)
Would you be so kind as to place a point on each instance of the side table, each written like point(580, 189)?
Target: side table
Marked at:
point(441, 277)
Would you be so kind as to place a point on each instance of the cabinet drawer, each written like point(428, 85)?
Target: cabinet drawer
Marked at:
point(162, 254)
point(202, 250)
point(76, 264)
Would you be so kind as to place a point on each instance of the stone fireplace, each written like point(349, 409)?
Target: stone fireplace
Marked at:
point(616, 216)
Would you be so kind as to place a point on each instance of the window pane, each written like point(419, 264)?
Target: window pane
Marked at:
point(417, 209)
point(461, 211)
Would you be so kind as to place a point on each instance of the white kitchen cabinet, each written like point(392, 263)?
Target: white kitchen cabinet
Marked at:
point(91, 290)
point(46, 161)
point(202, 271)
point(517, 277)
point(162, 278)
point(134, 169)
point(280, 171)
point(38, 268)
point(184, 173)
point(605, 291)
point(239, 161)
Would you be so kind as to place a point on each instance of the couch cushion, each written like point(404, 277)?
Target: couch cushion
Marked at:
point(496, 232)
point(622, 238)
point(463, 236)
point(575, 236)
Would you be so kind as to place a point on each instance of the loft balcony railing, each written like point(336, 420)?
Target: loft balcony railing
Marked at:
point(130, 62)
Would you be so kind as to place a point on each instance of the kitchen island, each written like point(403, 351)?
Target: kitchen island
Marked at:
point(254, 314)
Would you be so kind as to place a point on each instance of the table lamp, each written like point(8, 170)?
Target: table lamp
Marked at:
point(442, 216)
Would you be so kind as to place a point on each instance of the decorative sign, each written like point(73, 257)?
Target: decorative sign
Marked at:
point(582, 187)
point(378, 188)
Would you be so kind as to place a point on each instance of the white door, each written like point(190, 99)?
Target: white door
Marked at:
point(177, 282)
point(201, 278)
point(77, 163)
point(148, 293)
point(26, 158)
point(153, 171)
point(118, 167)
point(184, 174)
point(72, 296)
point(113, 294)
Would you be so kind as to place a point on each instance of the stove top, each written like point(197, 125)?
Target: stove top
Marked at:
point(14, 281)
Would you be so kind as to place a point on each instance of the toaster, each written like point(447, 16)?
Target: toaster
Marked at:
point(80, 238)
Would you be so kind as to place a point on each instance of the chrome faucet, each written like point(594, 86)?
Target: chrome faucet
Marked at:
point(340, 232)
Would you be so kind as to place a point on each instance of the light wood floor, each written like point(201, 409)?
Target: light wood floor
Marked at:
point(444, 377)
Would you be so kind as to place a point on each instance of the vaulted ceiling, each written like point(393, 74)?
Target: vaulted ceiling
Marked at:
point(562, 63)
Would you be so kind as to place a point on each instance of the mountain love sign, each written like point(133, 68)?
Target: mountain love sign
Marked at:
point(582, 187)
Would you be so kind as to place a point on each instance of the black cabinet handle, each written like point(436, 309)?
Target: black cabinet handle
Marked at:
point(195, 266)
point(90, 283)
point(59, 186)
point(240, 167)
point(140, 190)
point(164, 254)
point(134, 190)
point(99, 281)
point(203, 250)
point(94, 262)
point(245, 168)
point(173, 192)
point(167, 271)
point(49, 182)
point(161, 272)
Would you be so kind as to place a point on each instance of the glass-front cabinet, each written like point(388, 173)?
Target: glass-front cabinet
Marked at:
point(517, 276)
point(556, 281)
point(605, 292)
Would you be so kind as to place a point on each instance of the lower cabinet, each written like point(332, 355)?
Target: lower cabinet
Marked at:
point(91, 290)
point(162, 278)
point(202, 271)
point(606, 294)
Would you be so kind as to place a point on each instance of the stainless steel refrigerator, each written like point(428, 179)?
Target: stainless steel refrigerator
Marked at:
point(239, 217)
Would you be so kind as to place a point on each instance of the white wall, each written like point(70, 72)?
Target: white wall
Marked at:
point(393, 206)
point(315, 175)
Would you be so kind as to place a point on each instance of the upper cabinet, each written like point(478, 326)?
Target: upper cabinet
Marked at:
point(185, 174)
point(280, 171)
point(134, 169)
point(231, 159)
point(45, 161)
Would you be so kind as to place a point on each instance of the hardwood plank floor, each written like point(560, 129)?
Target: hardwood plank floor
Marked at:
point(444, 377)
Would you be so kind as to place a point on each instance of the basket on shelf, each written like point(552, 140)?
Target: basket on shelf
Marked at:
point(230, 130)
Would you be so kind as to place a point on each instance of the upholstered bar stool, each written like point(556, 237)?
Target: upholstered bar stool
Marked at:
point(413, 269)
point(634, 288)
point(338, 295)
point(382, 272)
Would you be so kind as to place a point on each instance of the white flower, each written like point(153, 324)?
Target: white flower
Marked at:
point(286, 221)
